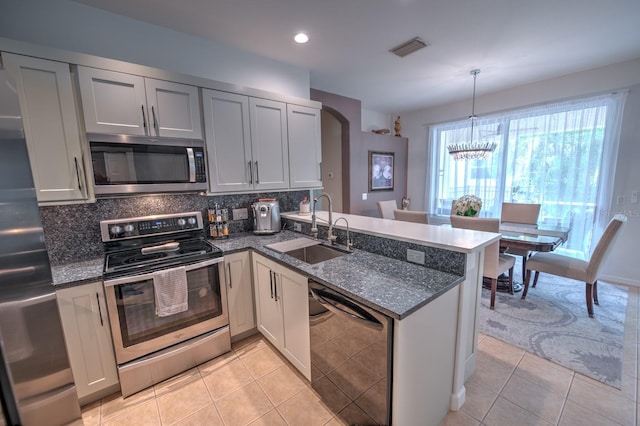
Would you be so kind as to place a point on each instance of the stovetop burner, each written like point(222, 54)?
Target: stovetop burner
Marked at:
point(134, 247)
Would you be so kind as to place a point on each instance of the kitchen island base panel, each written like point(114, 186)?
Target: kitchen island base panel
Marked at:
point(424, 352)
point(158, 366)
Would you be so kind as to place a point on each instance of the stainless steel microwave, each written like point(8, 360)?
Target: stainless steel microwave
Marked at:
point(134, 164)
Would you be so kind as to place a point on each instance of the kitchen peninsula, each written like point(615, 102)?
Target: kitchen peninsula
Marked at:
point(433, 306)
point(435, 335)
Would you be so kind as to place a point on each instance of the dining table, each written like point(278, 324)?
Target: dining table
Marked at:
point(542, 237)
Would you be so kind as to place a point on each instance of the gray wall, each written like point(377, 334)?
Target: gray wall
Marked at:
point(355, 156)
point(360, 168)
point(71, 26)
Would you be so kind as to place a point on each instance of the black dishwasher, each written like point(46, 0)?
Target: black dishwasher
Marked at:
point(351, 357)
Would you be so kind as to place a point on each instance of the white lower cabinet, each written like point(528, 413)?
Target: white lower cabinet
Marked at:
point(237, 268)
point(83, 312)
point(283, 310)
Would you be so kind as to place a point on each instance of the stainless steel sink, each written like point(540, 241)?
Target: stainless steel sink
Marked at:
point(307, 250)
point(316, 254)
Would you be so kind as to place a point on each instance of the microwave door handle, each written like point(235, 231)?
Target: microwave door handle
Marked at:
point(192, 165)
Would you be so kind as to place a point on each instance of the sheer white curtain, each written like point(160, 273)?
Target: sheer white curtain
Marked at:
point(561, 156)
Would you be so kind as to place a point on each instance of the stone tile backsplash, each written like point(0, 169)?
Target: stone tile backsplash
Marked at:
point(72, 232)
point(435, 258)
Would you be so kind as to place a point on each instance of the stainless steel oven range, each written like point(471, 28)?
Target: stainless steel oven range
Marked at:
point(150, 344)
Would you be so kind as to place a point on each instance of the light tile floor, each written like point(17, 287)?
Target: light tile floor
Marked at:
point(254, 385)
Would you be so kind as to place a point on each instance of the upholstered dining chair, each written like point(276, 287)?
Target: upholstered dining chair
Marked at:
point(386, 208)
point(411, 216)
point(520, 214)
point(495, 264)
point(577, 269)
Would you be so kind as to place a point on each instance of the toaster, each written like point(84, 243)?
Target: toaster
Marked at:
point(266, 216)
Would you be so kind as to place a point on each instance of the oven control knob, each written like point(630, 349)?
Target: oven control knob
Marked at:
point(128, 228)
point(192, 221)
point(182, 222)
point(116, 229)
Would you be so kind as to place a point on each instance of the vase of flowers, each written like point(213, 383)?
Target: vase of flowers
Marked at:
point(467, 205)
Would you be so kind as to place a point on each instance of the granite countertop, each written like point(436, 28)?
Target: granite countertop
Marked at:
point(393, 287)
point(76, 273)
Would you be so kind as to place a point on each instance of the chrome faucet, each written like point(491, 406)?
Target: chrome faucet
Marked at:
point(348, 243)
point(314, 228)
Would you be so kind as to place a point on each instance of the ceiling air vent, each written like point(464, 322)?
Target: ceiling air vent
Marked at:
point(409, 47)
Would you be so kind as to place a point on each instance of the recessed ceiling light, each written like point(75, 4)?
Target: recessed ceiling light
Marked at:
point(301, 38)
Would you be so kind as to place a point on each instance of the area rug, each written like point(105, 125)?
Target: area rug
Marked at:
point(552, 323)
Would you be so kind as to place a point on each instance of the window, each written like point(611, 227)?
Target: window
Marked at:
point(555, 155)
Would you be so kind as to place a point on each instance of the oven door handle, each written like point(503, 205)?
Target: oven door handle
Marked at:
point(163, 247)
point(149, 276)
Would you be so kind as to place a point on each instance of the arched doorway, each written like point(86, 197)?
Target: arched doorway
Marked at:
point(335, 168)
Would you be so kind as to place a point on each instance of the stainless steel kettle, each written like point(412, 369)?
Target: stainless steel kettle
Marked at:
point(266, 216)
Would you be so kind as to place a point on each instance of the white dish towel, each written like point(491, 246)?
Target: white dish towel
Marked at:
point(171, 293)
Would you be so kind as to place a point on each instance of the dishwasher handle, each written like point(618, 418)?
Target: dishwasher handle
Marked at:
point(342, 306)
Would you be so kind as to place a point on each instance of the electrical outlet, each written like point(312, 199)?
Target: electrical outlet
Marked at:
point(634, 197)
point(415, 256)
point(364, 195)
point(239, 214)
point(620, 199)
point(297, 227)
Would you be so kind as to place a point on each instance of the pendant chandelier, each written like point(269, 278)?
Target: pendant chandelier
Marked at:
point(472, 150)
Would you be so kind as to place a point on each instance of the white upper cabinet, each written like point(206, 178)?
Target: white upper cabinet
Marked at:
point(120, 103)
point(228, 139)
point(51, 127)
point(174, 109)
point(246, 140)
point(269, 143)
point(113, 102)
point(305, 146)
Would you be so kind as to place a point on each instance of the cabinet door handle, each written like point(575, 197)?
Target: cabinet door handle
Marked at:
point(271, 282)
point(99, 309)
point(144, 120)
point(275, 286)
point(155, 122)
point(257, 175)
point(75, 160)
point(229, 269)
point(250, 173)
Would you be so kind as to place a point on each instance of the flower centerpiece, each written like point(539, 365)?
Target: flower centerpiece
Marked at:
point(467, 205)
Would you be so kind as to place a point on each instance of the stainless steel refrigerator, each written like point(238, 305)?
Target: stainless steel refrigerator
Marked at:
point(35, 374)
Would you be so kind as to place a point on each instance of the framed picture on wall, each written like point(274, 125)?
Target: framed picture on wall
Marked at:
point(381, 171)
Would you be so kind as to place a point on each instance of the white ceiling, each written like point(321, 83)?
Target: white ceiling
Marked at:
point(513, 42)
